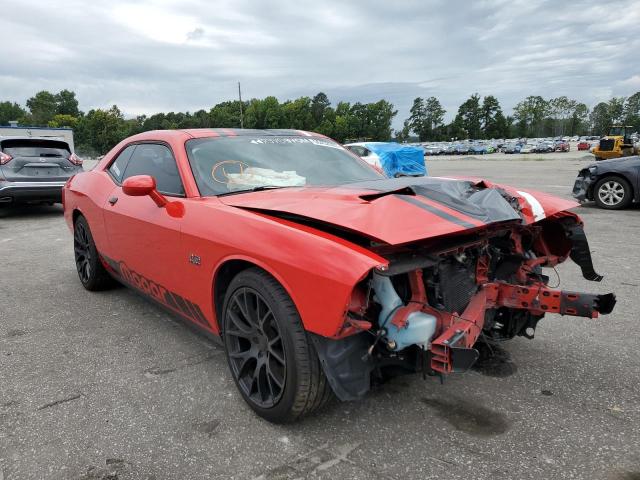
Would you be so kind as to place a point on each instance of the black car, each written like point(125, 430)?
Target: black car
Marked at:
point(613, 184)
point(34, 170)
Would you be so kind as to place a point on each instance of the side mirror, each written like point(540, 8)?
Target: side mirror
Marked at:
point(141, 186)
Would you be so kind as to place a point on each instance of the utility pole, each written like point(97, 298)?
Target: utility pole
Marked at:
point(240, 97)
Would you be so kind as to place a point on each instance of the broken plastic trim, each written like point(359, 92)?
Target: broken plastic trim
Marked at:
point(580, 252)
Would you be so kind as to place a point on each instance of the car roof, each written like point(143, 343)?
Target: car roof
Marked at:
point(221, 133)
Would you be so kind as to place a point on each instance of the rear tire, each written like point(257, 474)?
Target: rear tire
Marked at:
point(613, 193)
point(91, 272)
point(271, 358)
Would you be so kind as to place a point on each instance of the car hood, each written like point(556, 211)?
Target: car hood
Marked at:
point(613, 163)
point(402, 210)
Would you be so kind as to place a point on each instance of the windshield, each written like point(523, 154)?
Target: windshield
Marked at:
point(35, 148)
point(223, 165)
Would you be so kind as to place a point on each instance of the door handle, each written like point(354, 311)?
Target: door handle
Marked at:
point(113, 200)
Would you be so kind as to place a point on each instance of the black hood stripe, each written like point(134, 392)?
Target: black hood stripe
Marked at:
point(436, 211)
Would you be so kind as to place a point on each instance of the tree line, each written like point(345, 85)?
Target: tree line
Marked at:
point(483, 118)
point(98, 130)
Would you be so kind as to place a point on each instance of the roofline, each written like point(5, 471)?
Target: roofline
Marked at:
point(29, 127)
point(22, 137)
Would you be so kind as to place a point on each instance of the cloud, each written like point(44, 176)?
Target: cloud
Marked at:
point(161, 55)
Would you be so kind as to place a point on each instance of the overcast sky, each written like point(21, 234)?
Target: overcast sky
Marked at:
point(161, 55)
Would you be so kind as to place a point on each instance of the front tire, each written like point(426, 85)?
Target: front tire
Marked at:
point(613, 193)
point(91, 272)
point(271, 358)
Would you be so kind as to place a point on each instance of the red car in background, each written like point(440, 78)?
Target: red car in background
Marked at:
point(562, 146)
point(584, 145)
point(316, 272)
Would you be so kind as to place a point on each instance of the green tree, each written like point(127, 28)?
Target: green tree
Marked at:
point(42, 106)
point(403, 135)
point(494, 124)
point(100, 130)
point(530, 115)
point(63, 120)
point(632, 111)
point(600, 119)
point(470, 116)
point(11, 111)
point(559, 111)
point(426, 118)
point(319, 105)
point(66, 103)
point(297, 114)
point(616, 109)
point(379, 116)
point(227, 114)
point(342, 124)
point(265, 113)
point(579, 120)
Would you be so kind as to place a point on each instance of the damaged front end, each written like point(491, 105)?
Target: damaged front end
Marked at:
point(426, 309)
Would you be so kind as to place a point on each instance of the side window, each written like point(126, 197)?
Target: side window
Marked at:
point(156, 160)
point(358, 150)
point(118, 167)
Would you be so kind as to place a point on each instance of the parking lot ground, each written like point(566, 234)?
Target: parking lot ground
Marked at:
point(108, 386)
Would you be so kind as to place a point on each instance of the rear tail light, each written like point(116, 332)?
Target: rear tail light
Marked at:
point(5, 158)
point(76, 160)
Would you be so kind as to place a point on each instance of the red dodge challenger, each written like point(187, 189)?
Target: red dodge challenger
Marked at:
point(318, 274)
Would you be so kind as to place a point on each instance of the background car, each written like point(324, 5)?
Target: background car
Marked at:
point(394, 159)
point(613, 184)
point(364, 152)
point(34, 170)
point(528, 148)
point(461, 149)
point(511, 148)
point(543, 147)
point(584, 145)
point(561, 146)
point(477, 149)
point(430, 150)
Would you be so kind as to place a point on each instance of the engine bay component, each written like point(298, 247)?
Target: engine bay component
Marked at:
point(404, 325)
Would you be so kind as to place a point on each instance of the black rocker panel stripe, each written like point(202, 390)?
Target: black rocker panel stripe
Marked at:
point(160, 294)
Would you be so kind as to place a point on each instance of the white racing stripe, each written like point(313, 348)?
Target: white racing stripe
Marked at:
point(536, 208)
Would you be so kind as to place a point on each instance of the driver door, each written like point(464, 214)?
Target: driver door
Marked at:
point(144, 238)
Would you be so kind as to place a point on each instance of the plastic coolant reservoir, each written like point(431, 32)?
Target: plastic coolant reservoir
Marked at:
point(420, 326)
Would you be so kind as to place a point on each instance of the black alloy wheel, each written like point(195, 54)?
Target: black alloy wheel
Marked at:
point(272, 358)
point(91, 272)
point(82, 252)
point(256, 351)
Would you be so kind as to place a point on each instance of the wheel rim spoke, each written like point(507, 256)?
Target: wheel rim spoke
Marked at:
point(255, 348)
point(82, 252)
point(611, 193)
point(242, 327)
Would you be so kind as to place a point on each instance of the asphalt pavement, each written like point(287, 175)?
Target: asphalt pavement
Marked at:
point(108, 386)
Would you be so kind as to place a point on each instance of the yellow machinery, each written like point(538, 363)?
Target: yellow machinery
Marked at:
point(617, 143)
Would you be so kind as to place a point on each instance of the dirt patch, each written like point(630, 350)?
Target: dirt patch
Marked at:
point(16, 332)
point(469, 417)
point(208, 428)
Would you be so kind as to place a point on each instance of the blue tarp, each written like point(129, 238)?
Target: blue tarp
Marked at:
point(398, 160)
